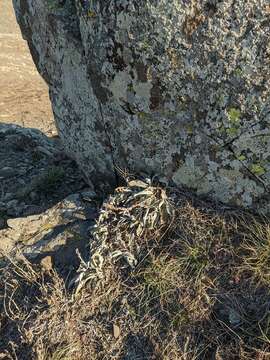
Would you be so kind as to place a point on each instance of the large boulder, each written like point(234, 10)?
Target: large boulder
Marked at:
point(174, 88)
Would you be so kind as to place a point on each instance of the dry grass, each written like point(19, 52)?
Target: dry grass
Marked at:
point(168, 278)
point(256, 247)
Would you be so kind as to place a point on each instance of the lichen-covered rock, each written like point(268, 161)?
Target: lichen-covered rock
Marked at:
point(57, 232)
point(176, 88)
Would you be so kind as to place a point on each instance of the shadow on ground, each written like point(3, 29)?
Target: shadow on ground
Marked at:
point(35, 172)
point(46, 208)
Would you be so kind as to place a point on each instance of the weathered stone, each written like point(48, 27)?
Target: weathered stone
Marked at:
point(174, 88)
point(30, 155)
point(57, 232)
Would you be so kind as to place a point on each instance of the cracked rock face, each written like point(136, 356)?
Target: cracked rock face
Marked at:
point(174, 88)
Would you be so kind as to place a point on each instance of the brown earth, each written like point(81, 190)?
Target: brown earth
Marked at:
point(24, 96)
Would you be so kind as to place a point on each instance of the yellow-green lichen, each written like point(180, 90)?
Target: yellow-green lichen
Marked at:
point(189, 129)
point(91, 14)
point(232, 131)
point(234, 115)
point(241, 158)
point(53, 5)
point(143, 115)
point(145, 45)
point(238, 72)
point(257, 169)
point(130, 88)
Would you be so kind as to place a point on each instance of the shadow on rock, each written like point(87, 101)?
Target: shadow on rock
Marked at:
point(57, 233)
point(35, 172)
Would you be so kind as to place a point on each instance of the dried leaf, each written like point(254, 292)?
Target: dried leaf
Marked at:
point(116, 331)
point(137, 183)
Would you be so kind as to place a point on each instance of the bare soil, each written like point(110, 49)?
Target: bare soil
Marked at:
point(24, 96)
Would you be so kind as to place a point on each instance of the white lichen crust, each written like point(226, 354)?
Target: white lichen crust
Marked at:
point(176, 88)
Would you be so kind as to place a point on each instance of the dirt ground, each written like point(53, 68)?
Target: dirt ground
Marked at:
point(24, 96)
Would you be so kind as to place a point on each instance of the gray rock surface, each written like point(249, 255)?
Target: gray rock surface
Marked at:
point(35, 173)
point(175, 88)
point(56, 232)
point(7, 172)
point(38, 216)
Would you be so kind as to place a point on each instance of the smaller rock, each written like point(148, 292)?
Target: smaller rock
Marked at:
point(56, 232)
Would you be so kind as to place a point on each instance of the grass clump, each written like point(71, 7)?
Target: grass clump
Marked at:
point(50, 180)
point(256, 247)
point(169, 277)
point(45, 184)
